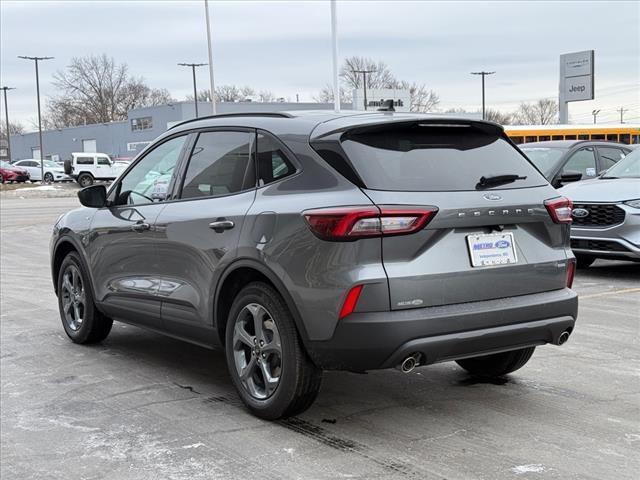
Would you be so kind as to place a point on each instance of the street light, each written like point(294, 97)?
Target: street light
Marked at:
point(36, 60)
point(364, 79)
point(6, 113)
point(595, 114)
point(195, 90)
point(213, 89)
point(484, 74)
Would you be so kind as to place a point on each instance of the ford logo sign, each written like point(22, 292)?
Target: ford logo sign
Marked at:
point(580, 212)
point(492, 196)
point(502, 244)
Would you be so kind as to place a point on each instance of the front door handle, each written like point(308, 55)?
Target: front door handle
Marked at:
point(140, 227)
point(221, 225)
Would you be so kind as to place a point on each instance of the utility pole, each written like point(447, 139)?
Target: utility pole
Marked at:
point(364, 81)
point(36, 60)
point(484, 74)
point(213, 88)
point(195, 90)
point(595, 114)
point(6, 114)
point(334, 56)
point(621, 110)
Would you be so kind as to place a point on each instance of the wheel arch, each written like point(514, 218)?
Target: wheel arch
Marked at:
point(62, 248)
point(236, 276)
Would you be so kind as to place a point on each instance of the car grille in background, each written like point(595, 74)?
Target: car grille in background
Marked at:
point(600, 245)
point(600, 215)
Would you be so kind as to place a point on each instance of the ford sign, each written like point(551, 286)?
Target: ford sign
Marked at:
point(502, 244)
point(580, 212)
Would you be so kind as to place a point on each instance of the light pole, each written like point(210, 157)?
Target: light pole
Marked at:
point(213, 89)
point(6, 114)
point(195, 90)
point(484, 74)
point(595, 115)
point(36, 60)
point(334, 56)
point(364, 83)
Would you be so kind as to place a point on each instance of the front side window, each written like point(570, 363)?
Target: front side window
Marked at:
point(103, 161)
point(273, 163)
point(148, 181)
point(583, 161)
point(545, 158)
point(220, 164)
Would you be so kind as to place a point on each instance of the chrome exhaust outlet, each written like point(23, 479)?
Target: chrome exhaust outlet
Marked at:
point(564, 336)
point(409, 363)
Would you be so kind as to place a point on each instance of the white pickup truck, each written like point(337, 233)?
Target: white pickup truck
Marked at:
point(85, 168)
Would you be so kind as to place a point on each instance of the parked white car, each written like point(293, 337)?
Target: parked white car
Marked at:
point(86, 168)
point(52, 171)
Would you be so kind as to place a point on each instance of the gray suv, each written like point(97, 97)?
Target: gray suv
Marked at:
point(315, 240)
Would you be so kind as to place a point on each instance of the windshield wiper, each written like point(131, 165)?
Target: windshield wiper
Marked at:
point(493, 180)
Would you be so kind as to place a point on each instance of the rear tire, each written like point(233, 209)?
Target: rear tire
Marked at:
point(81, 320)
point(85, 180)
point(259, 308)
point(584, 261)
point(497, 364)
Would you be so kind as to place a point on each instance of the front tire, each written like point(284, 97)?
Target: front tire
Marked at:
point(82, 321)
point(497, 364)
point(268, 365)
point(48, 177)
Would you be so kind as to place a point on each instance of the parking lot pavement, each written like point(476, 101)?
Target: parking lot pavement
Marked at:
point(143, 406)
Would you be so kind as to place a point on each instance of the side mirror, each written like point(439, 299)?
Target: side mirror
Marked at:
point(94, 196)
point(570, 176)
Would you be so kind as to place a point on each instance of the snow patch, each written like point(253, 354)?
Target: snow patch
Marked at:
point(531, 468)
point(195, 445)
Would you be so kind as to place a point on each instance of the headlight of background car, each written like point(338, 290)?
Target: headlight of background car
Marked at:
point(633, 203)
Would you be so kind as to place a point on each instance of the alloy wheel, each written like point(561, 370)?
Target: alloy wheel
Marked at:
point(73, 298)
point(257, 351)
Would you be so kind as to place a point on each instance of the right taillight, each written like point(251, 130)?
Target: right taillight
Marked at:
point(351, 223)
point(559, 209)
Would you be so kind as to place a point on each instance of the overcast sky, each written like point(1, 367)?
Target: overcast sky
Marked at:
point(285, 46)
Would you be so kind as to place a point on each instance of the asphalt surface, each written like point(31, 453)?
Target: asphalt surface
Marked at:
point(143, 406)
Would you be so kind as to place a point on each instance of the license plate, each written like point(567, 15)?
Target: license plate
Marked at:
point(491, 249)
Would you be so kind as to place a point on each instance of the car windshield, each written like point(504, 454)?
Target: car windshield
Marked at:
point(50, 164)
point(628, 167)
point(545, 158)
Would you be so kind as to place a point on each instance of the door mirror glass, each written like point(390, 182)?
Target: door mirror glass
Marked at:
point(94, 196)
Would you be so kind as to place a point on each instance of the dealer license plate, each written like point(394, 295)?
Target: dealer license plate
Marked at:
point(490, 249)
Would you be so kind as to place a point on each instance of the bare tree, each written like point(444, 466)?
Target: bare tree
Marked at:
point(542, 112)
point(94, 89)
point(498, 117)
point(266, 96)
point(423, 99)
point(14, 129)
point(325, 95)
point(380, 77)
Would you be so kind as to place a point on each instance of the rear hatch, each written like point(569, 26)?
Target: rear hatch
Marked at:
point(488, 240)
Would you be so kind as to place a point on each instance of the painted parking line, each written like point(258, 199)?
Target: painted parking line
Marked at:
point(612, 292)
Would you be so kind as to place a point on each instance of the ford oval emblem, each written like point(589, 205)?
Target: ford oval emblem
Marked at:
point(492, 196)
point(580, 212)
point(502, 244)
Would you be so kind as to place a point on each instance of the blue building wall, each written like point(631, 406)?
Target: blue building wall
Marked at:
point(119, 140)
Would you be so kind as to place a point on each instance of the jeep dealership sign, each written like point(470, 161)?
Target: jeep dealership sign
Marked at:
point(576, 80)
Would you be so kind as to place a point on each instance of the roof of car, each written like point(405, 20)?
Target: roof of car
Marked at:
point(567, 143)
point(317, 122)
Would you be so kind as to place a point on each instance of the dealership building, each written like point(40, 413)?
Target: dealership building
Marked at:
point(125, 139)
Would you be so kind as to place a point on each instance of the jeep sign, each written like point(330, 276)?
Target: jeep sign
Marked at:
point(576, 80)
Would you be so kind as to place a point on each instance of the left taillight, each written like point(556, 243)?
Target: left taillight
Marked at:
point(351, 223)
point(559, 209)
point(571, 271)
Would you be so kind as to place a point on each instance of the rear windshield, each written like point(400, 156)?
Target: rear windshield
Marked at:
point(546, 159)
point(434, 158)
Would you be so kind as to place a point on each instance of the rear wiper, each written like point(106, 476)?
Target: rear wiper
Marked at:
point(493, 180)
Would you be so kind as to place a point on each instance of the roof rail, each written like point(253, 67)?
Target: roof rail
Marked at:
point(236, 114)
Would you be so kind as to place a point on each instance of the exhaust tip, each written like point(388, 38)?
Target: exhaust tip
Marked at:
point(564, 336)
point(409, 363)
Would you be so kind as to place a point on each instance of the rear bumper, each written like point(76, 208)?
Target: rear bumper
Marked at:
point(369, 341)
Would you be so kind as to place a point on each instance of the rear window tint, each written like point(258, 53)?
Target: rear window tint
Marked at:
point(434, 158)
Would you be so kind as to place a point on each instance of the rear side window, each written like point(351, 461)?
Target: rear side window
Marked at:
point(609, 156)
point(220, 164)
point(426, 157)
point(273, 163)
point(84, 161)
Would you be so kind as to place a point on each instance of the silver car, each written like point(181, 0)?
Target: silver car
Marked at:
point(606, 213)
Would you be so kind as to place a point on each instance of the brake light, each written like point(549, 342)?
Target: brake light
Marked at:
point(350, 302)
point(571, 271)
point(559, 209)
point(351, 223)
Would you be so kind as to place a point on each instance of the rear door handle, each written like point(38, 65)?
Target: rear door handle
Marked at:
point(220, 225)
point(140, 227)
